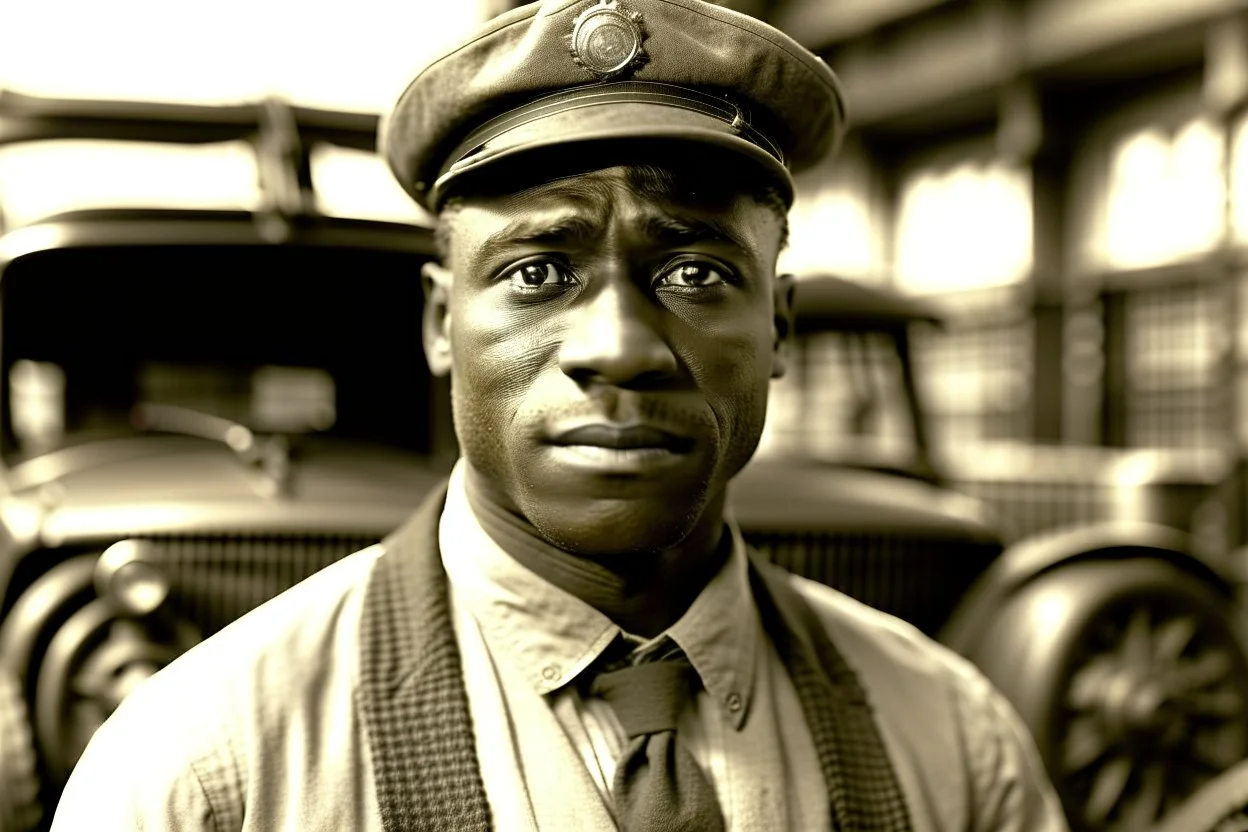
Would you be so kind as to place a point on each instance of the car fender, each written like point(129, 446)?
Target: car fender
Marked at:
point(42, 608)
point(1040, 554)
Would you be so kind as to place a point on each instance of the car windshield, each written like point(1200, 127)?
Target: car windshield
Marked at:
point(844, 399)
point(293, 339)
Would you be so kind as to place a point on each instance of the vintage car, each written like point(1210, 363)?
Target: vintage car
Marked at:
point(1117, 636)
point(1220, 805)
point(198, 408)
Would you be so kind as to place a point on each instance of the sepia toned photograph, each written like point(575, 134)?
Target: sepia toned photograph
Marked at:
point(641, 415)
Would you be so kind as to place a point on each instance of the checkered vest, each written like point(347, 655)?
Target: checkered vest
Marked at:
point(414, 706)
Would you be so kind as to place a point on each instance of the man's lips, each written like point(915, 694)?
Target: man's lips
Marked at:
point(623, 438)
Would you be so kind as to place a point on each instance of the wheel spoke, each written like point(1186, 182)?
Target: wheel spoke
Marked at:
point(1211, 753)
point(1107, 790)
point(1205, 671)
point(1172, 639)
point(1223, 703)
point(1087, 682)
point(1085, 744)
point(1137, 641)
point(1142, 808)
point(82, 685)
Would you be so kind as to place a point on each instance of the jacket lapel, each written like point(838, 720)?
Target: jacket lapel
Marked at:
point(414, 706)
point(411, 696)
point(863, 792)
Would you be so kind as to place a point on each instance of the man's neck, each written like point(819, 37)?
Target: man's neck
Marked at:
point(644, 593)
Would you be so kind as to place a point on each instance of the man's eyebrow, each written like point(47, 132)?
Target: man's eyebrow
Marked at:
point(536, 231)
point(667, 230)
point(676, 231)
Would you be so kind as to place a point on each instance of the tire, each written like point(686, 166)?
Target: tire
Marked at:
point(1133, 679)
point(20, 810)
point(78, 655)
point(1221, 805)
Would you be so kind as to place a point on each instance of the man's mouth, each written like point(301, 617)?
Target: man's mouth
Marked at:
point(624, 438)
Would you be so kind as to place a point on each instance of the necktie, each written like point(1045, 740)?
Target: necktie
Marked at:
point(658, 785)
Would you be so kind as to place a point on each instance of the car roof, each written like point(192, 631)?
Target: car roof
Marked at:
point(282, 139)
point(825, 301)
point(29, 118)
point(139, 229)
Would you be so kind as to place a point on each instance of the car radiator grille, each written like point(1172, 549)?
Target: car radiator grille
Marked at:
point(1029, 508)
point(216, 579)
point(917, 579)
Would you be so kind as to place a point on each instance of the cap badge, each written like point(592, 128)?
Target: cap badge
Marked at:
point(606, 39)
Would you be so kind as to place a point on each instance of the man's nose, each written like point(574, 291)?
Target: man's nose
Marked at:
point(615, 338)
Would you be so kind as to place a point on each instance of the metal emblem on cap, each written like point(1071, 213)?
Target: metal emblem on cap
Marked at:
point(606, 39)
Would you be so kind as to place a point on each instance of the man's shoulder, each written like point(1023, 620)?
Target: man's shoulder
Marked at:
point(908, 673)
point(878, 639)
point(260, 665)
point(218, 722)
point(291, 624)
point(283, 647)
point(964, 755)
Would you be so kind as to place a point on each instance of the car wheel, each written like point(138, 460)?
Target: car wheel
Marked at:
point(1131, 676)
point(92, 663)
point(1221, 805)
point(80, 643)
point(20, 810)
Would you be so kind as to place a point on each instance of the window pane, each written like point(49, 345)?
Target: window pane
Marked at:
point(1178, 394)
point(833, 225)
point(1239, 181)
point(292, 399)
point(845, 399)
point(37, 403)
point(1164, 197)
point(965, 227)
point(977, 383)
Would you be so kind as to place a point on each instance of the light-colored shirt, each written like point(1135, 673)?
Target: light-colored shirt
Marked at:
point(525, 643)
point(256, 729)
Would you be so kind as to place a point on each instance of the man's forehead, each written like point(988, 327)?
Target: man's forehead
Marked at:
point(580, 208)
point(650, 187)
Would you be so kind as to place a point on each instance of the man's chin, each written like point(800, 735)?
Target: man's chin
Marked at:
point(614, 529)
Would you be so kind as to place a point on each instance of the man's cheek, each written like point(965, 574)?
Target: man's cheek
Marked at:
point(493, 323)
point(736, 380)
point(501, 378)
point(729, 360)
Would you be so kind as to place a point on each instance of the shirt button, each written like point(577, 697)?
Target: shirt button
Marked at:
point(550, 672)
point(734, 702)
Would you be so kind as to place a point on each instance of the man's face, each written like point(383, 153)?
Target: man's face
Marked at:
point(610, 353)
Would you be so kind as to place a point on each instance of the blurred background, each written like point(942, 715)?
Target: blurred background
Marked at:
point(1063, 182)
point(1065, 177)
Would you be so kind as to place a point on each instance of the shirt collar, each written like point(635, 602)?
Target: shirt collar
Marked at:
point(551, 636)
point(547, 633)
point(719, 634)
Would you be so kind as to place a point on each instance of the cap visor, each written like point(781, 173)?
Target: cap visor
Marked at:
point(603, 127)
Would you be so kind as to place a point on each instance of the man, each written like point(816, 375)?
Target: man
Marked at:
point(572, 634)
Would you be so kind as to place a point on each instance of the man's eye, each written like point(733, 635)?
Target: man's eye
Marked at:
point(692, 276)
point(539, 274)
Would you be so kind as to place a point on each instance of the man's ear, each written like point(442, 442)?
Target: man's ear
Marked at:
point(782, 327)
point(435, 279)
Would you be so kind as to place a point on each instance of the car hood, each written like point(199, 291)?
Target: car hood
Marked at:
point(179, 487)
point(808, 495)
